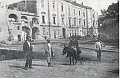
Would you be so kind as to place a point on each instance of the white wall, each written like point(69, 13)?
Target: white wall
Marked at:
point(3, 22)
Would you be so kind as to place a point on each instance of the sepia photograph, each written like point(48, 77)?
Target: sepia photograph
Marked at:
point(59, 38)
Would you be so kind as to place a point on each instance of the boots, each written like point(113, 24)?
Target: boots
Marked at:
point(49, 64)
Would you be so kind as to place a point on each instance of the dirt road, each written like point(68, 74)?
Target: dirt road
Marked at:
point(107, 68)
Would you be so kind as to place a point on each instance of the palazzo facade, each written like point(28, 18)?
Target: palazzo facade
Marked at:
point(48, 18)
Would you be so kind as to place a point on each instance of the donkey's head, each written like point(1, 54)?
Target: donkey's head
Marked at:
point(64, 51)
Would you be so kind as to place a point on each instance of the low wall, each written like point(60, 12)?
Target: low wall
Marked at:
point(6, 54)
point(11, 54)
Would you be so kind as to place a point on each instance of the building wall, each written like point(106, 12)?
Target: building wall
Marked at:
point(23, 26)
point(52, 20)
point(3, 22)
point(92, 22)
point(55, 10)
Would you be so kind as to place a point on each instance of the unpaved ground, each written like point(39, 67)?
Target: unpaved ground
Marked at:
point(90, 68)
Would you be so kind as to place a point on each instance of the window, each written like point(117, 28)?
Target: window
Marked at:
point(54, 5)
point(70, 22)
point(84, 14)
point(74, 11)
point(69, 10)
point(0, 29)
point(54, 20)
point(42, 3)
point(93, 16)
point(62, 7)
point(75, 33)
point(18, 27)
point(19, 37)
point(93, 23)
point(62, 21)
point(84, 23)
point(43, 31)
point(79, 23)
point(43, 19)
point(74, 22)
point(79, 13)
point(19, 9)
point(70, 34)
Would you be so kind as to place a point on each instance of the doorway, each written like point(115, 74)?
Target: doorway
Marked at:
point(64, 33)
point(19, 37)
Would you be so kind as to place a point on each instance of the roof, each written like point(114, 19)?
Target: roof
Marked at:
point(77, 4)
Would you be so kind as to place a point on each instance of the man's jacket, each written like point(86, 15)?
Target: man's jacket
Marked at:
point(27, 48)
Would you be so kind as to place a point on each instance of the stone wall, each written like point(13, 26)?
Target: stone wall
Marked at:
point(17, 54)
point(10, 54)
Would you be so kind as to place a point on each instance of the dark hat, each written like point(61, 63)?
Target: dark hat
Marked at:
point(48, 40)
point(28, 36)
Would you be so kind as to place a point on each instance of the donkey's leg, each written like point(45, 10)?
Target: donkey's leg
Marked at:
point(76, 60)
point(80, 60)
point(70, 60)
point(73, 59)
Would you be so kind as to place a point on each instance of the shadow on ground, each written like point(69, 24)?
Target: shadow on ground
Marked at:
point(21, 67)
point(39, 65)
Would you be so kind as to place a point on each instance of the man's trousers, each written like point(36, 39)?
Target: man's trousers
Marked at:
point(99, 55)
point(28, 61)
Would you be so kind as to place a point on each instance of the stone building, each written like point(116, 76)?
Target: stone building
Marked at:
point(49, 18)
point(64, 18)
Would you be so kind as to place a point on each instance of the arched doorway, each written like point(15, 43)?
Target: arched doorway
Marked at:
point(64, 33)
point(26, 31)
point(13, 18)
point(19, 37)
point(35, 32)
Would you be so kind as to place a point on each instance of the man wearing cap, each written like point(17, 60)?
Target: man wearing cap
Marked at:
point(28, 49)
point(48, 51)
point(98, 47)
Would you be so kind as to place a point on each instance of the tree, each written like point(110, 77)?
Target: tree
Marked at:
point(113, 10)
point(103, 11)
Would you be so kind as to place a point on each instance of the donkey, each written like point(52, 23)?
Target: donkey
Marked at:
point(71, 53)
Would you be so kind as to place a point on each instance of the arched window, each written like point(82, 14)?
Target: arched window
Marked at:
point(43, 19)
point(24, 19)
point(54, 20)
point(13, 18)
point(84, 22)
point(35, 21)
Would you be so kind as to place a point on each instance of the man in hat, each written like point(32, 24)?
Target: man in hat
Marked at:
point(98, 47)
point(28, 49)
point(48, 51)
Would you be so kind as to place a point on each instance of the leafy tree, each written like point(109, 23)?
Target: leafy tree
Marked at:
point(103, 11)
point(113, 10)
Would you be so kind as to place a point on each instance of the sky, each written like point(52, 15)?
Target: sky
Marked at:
point(97, 5)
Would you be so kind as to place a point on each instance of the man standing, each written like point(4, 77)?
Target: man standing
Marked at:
point(28, 49)
point(71, 43)
point(48, 51)
point(76, 43)
point(98, 47)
